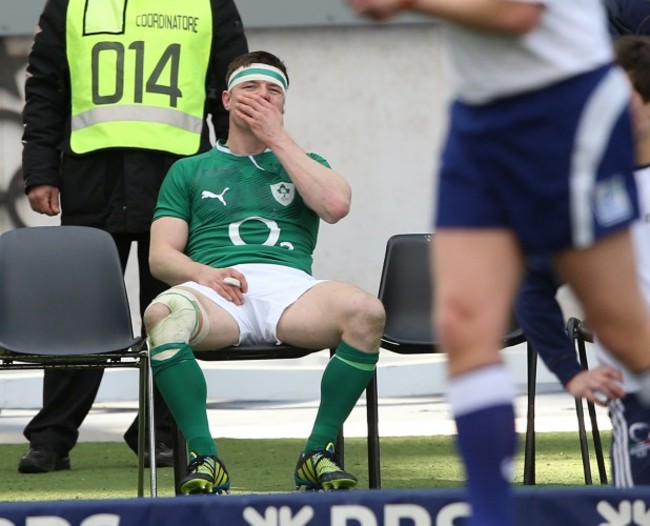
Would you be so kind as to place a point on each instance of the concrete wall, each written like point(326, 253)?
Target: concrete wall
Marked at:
point(372, 101)
point(369, 99)
point(19, 18)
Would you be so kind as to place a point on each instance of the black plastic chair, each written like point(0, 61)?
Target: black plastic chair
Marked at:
point(282, 352)
point(406, 289)
point(63, 304)
point(406, 292)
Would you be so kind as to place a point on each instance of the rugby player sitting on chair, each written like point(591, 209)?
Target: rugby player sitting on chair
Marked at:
point(233, 234)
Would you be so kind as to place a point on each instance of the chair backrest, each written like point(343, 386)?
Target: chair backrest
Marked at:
point(62, 292)
point(406, 291)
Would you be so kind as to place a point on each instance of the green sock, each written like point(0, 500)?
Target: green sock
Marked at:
point(346, 376)
point(181, 383)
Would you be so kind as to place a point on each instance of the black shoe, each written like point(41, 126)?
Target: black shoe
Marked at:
point(164, 456)
point(42, 459)
point(164, 453)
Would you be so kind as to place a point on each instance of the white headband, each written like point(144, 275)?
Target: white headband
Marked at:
point(258, 71)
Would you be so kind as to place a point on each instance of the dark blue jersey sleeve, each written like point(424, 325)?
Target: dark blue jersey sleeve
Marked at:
point(540, 317)
point(628, 17)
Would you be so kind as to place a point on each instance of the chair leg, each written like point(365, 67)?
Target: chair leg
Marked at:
point(372, 414)
point(180, 455)
point(142, 418)
point(598, 444)
point(584, 445)
point(591, 408)
point(152, 430)
point(339, 450)
point(529, 453)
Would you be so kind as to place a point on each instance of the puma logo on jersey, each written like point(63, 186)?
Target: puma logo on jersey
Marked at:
point(207, 194)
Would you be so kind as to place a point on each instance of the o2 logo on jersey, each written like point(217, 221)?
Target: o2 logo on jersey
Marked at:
point(271, 240)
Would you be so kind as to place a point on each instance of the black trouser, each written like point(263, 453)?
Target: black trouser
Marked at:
point(69, 394)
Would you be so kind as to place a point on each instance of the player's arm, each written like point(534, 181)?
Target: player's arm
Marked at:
point(169, 263)
point(46, 111)
point(323, 190)
point(502, 16)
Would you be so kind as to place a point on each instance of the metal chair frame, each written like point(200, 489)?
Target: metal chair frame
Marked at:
point(580, 335)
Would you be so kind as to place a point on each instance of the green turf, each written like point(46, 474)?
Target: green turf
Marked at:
point(108, 469)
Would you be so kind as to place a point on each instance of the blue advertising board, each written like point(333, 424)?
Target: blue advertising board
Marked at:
point(589, 506)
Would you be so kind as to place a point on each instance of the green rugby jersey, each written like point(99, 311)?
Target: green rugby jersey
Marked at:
point(240, 209)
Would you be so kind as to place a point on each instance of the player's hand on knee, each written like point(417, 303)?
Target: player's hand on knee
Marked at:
point(597, 385)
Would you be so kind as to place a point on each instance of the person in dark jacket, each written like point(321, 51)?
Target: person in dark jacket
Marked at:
point(628, 17)
point(540, 317)
point(116, 92)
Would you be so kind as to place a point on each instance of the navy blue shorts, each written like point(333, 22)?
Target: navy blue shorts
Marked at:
point(630, 442)
point(554, 165)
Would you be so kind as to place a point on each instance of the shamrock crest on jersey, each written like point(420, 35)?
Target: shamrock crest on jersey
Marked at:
point(283, 192)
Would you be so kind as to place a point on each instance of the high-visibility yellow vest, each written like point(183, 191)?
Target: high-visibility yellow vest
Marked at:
point(137, 73)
